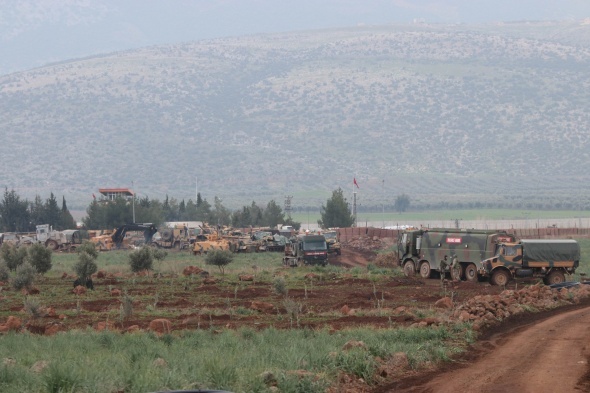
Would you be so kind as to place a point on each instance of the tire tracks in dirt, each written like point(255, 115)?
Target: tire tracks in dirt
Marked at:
point(543, 352)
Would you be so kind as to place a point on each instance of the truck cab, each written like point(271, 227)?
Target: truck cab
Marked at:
point(333, 242)
point(311, 249)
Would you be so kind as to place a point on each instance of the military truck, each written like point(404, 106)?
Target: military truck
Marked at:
point(549, 259)
point(306, 250)
point(421, 250)
point(333, 242)
point(177, 237)
point(68, 239)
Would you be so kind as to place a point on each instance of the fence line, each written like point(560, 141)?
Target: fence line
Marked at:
point(520, 233)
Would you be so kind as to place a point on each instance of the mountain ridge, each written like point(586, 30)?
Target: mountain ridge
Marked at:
point(260, 117)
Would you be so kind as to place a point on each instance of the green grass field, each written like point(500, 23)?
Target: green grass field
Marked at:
point(242, 360)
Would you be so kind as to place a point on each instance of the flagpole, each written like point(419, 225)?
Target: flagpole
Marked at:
point(354, 183)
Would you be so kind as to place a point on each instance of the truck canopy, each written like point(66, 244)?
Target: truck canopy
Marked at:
point(550, 250)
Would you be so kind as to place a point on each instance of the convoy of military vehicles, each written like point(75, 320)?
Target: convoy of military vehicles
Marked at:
point(483, 254)
point(492, 255)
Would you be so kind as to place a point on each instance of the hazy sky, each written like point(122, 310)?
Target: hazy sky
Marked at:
point(34, 32)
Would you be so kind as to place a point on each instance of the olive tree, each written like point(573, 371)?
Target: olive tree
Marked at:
point(24, 277)
point(40, 258)
point(13, 256)
point(219, 258)
point(142, 259)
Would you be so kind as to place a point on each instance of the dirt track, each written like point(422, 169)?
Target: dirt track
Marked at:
point(548, 356)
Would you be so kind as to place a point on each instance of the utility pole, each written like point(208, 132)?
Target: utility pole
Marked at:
point(354, 208)
point(288, 205)
point(383, 202)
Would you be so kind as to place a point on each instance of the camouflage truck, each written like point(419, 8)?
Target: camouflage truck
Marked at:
point(549, 259)
point(421, 250)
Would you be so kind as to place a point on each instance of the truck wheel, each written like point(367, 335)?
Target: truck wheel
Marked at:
point(51, 244)
point(555, 277)
point(471, 273)
point(425, 270)
point(500, 277)
point(409, 269)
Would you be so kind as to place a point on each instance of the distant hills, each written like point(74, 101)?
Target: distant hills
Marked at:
point(495, 114)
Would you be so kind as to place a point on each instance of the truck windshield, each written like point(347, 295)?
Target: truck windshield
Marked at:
point(314, 246)
point(330, 235)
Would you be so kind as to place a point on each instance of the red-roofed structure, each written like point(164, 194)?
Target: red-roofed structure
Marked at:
point(113, 193)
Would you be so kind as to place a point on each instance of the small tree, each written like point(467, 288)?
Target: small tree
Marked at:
point(25, 276)
point(336, 213)
point(219, 258)
point(89, 248)
point(13, 256)
point(39, 257)
point(142, 259)
point(402, 202)
point(4, 272)
point(85, 267)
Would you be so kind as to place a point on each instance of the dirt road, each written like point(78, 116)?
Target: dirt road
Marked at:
point(549, 356)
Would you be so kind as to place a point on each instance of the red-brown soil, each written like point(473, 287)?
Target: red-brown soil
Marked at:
point(331, 300)
point(228, 302)
point(541, 352)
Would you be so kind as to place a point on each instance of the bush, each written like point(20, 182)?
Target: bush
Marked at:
point(25, 276)
point(159, 255)
point(40, 258)
point(219, 258)
point(4, 272)
point(89, 248)
point(280, 286)
point(142, 259)
point(12, 255)
point(85, 267)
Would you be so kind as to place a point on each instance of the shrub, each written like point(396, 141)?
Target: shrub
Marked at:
point(126, 307)
point(12, 255)
point(86, 266)
point(219, 258)
point(40, 258)
point(4, 272)
point(280, 286)
point(142, 259)
point(33, 307)
point(25, 276)
point(89, 248)
point(159, 255)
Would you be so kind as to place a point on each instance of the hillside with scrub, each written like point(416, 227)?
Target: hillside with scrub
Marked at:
point(443, 113)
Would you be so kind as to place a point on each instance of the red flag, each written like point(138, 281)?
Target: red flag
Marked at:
point(355, 183)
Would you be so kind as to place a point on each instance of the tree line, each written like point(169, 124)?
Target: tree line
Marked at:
point(20, 215)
